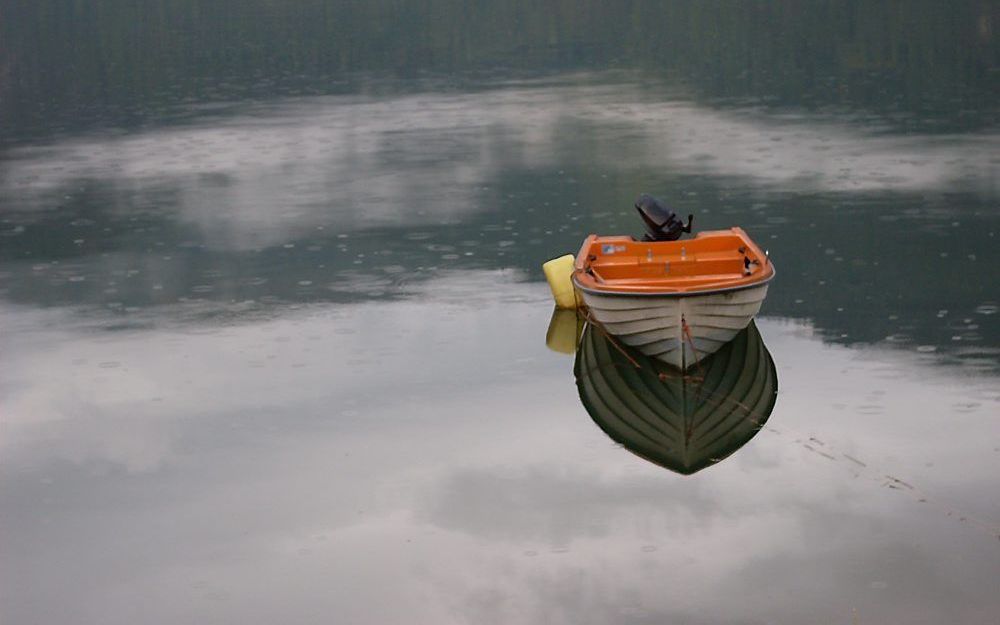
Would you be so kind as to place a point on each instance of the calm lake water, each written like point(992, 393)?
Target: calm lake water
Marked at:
point(273, 323)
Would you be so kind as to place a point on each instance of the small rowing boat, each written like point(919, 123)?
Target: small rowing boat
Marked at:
point(677, 300)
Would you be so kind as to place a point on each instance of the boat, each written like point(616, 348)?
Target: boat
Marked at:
point(682, 422)
point(676, 300)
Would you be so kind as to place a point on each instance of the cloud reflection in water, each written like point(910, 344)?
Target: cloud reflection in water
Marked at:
point(272, 172)
point(352, 477)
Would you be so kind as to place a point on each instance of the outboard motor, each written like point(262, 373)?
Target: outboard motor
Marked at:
point(662, 224)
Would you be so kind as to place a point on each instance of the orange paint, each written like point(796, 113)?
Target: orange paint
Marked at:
point(715, 260)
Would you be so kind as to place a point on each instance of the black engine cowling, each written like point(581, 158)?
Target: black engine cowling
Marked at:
point(662, 224)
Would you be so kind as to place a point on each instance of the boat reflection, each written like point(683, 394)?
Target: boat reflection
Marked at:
point(680, 422)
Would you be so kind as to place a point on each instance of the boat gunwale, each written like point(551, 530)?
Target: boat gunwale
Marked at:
point(706, 291)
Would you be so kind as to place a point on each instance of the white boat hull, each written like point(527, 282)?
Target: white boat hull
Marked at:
point(678, 330)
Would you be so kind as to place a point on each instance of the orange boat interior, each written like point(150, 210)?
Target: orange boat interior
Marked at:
point(712, 260)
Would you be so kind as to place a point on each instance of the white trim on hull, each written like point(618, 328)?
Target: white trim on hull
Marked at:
point(654, 324)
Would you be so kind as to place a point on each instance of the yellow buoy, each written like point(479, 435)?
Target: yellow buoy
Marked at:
point(559, 273)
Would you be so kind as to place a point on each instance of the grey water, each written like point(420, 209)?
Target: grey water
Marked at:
point(273, 322)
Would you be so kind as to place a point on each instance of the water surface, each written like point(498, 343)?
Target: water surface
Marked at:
point(273, 340)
